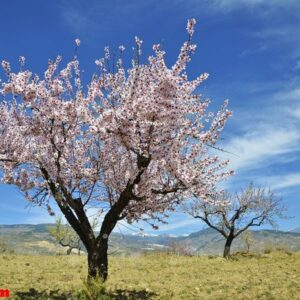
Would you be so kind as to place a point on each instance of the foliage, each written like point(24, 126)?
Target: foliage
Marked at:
point(248, 239)
point(93, 289)
point(65, 236)
point(5, 248)
point(270, 247)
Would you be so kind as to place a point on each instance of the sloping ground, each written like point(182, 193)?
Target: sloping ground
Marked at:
point(29, 239)
point(35, 239)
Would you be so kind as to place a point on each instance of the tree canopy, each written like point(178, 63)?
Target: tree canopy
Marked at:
point(131, 143)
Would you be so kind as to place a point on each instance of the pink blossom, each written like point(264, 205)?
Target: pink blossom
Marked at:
point(121, 48)
point(143, 127)
point(77, 42)
point(190, 26)
point(22, 60)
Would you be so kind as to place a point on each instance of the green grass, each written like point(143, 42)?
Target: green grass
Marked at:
point(158, 276)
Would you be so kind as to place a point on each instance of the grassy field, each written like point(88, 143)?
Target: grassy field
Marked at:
point(157, 276)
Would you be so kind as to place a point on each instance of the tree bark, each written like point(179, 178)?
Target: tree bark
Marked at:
point(73, 210)
point(228, 243)
point(98, 262)
point(69, 250)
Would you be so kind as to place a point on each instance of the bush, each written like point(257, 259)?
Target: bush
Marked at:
point(268, 247)
point(284, 249)
point(181, 248)
point(93, 289)
point(5, 248)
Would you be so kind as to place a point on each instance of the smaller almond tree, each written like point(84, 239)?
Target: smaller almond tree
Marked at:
point(231, 215)
point(65, 236)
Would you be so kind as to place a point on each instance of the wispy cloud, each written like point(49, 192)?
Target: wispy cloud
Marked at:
point(283, 181)
point(259, 49)
point(103, 17)
point(289, 96)
point(297, 65)
point(258, 149)
point(179, 224)
point(273, 30)
point(284, 37)
point(79, 22)
point(232, 5)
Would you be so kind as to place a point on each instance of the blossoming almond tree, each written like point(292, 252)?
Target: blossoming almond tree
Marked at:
point(132, 144)
point(252, 207)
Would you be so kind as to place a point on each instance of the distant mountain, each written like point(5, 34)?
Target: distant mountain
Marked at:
point(296, 230)
point(210, 241)
point(35, 239)
point(26, 238)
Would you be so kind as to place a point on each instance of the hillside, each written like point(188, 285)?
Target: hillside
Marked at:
point(35, 239)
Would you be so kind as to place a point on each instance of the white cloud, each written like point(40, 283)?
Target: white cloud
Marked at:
point(178, 224)
point(268, 131)
point(283, 181)
point(77, 21)
point(277, 24)
point(230, 5)
point(292, 94)
point(257, 149)
point(297, 65)
point(259, 49)
point(275, 35)
point(99, 17)
point(295, 112)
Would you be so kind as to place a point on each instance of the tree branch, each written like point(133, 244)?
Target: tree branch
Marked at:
point(204, 219)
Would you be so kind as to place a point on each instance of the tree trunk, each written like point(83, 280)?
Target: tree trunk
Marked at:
point(75, 213)
point(98, 262)
point(248, 247)
point(228, 243)
point(69, 250)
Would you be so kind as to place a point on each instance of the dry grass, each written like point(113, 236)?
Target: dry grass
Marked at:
point(159, 276)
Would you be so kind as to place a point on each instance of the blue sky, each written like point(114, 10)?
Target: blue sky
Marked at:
point(250, 48)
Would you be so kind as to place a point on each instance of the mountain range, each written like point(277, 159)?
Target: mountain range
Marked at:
point(35, 239)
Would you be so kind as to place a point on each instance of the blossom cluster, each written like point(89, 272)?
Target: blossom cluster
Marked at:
point(92, 142)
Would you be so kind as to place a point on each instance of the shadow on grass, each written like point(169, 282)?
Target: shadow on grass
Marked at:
point(130, 295)
point(46, 294)
point(118, 294)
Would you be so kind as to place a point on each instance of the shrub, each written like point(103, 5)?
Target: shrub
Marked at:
point(93, 289)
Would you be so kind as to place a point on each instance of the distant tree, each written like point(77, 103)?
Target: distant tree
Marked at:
point(131, 143)
point(181, 248)
point(65, 235)
point(231, 215)
point(4, 247)
point(248, 239)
